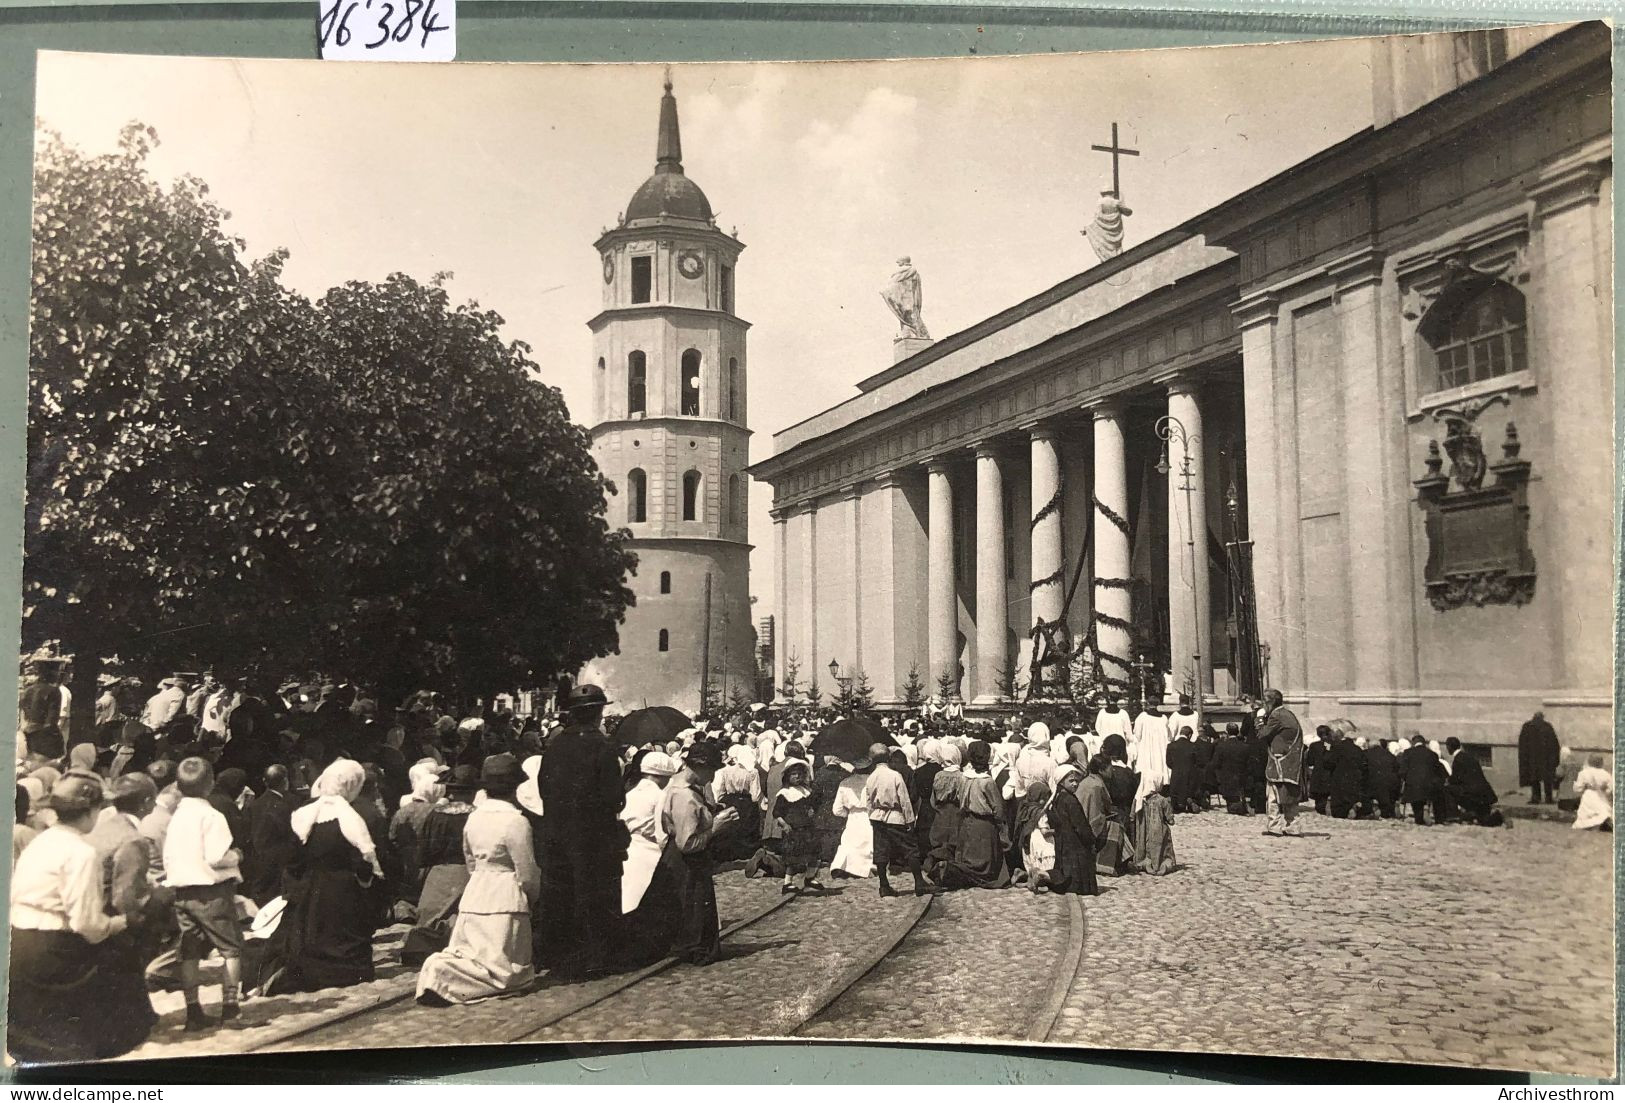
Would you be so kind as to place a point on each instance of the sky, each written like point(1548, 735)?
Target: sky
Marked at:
point(979, 169)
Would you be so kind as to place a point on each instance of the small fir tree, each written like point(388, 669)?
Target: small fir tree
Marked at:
point(914, 688)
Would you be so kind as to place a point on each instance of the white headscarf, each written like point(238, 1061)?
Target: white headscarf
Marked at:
point(767, 746)
point(338, 785)
point(742, 756)
point(1038, 734)
point(425, 778)
point(529, 795)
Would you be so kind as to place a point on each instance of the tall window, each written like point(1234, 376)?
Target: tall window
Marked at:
point(1476, 331)
point(736, 502)
point(733, 388)
point(637, 496)
point(691, 383)
point(665, 640)
point(637, 390)
point(691, 495)
point(665, 582)
point(643, 278)
point(725, 283)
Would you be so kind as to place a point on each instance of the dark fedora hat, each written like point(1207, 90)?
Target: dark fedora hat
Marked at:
point(585, 697)
point(501, 771)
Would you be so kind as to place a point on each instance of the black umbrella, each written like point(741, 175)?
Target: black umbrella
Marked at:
point(849, 739)
point(652, 725)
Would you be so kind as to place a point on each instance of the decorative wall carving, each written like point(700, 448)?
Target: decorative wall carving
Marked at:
point(1478, 536)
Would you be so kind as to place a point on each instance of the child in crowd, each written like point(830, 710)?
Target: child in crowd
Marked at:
point(201, 865)
point(793, 808)
point(1156, 835)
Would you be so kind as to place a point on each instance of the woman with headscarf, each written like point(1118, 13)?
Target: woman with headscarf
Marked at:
point(1596, 788)
point(1032, 762)
point(326, 929)
point(1125, 787)
point(77, 993)
point(944, 802)
point(1034, 839)
point(641, 815)
point(82, 757)
point(738, 786)
point(407, 823)
point(490, 949)
point(978, 854)
point(1112, 854)
point(1074, 836)
point(445, 871)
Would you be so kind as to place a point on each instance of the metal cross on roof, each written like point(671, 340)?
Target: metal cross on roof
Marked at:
point(1116, 150)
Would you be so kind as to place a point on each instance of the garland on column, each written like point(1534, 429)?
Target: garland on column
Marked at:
point(1099, 618)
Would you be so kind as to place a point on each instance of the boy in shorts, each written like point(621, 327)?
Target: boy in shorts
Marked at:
point(201, 866)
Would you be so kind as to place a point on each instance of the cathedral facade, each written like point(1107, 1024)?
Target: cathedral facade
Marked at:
point(669, 432)
point(1349, 435)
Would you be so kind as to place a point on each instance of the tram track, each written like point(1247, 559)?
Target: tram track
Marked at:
point(792, 961)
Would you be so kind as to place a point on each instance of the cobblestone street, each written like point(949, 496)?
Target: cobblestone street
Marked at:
point(1366, 940)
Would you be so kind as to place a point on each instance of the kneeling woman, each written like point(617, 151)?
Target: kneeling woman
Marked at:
point(489, 952)
point(678, 913)
point(77, 992)
point(978, 857)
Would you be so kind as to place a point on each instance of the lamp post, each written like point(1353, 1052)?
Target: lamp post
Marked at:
point(835, 673)
point(1170, 428)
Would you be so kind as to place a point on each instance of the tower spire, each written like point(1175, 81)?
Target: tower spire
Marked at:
point(669, 151)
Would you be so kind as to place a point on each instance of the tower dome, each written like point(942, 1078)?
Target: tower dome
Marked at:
point(668, 193)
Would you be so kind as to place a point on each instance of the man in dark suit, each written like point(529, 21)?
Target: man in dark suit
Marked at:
point(1182, 770)
point(1232, 761)
point(271, 841)
point(583, 842)
point(1538, 755)
point(1423, 776)
point(1469, 788)
point(1345, 768)
point(1381, 781)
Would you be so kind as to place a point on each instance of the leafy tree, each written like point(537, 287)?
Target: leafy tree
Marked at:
point(914, 688)
point(222, 471)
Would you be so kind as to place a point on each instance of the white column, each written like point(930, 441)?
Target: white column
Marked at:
point(1047, 583)
point(1113, 598)
point(1190, 629)
point(991, 601)
point(854, 515)
point(781, 599)
point(1256, 318)
point(941, 623)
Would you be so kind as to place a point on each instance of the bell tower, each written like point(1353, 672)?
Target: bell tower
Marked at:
point(669, 432)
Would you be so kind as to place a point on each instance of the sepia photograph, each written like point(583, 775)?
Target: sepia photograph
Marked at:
point(1111, 551)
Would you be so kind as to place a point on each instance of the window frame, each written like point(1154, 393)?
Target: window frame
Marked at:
point(693, 489)
point(637, 496)
point(637, 382)
point(692, 361)
point(643, 279)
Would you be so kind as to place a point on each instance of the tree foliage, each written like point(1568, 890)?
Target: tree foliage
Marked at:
point(914, 688)
point(223, 471)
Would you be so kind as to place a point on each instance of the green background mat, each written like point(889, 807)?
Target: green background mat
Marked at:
point(671, 30)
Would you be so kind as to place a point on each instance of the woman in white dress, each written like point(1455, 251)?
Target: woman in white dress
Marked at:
point(490, 950)
point(1596, 788)
point(855, 856)
point(642, 818)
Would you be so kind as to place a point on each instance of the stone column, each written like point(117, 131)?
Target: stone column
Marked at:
point(808, 660)
point(1377, 504)
point(942, 622)
point(853, 501)
point(1113, 598)
point(1048, 593)
point(781, 598)
point(1256, 319)
point(991, 601)
point(1189, 622)
point(1572, 356)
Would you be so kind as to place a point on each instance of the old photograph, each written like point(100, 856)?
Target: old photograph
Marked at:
point(1104, 550)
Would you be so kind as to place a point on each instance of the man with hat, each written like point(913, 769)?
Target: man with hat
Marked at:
point(583, 841)
point(124, 854)
point(1282, 735)
point(165, 705)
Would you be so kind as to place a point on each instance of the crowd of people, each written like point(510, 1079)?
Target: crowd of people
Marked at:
point(263, 838)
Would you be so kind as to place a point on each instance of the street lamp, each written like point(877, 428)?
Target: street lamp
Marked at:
point(1170, 428)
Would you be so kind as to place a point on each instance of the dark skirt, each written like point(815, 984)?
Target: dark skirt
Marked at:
point(437, 913)
point(801, 849)
point(942, 840)
point(678, 914)
point(978, 857)
point(75, 1001)
point(740, 842)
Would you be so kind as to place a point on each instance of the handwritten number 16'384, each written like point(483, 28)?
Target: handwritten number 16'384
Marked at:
point(334, 25)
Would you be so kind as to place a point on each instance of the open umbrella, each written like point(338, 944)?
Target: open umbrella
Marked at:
point(1341, 724)
point(849, 739)
point(659, 724)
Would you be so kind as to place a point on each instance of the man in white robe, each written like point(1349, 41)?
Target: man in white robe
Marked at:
point(1150, 761)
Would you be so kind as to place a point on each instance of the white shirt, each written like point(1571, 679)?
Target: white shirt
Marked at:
point(162, 707)
point(197, 845)
point(57, 886)
point(641, 813)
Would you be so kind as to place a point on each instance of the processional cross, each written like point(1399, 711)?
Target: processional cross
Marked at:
point(1116, 151)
